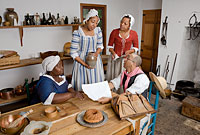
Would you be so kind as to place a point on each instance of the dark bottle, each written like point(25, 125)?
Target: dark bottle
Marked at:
point(43, 21)
point(50, 20)
point(32, 21)
point(27, 19)
point(66, 20)
point(58, 19)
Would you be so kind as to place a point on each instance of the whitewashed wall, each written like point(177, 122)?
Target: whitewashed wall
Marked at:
point(44, 39)
point(187, 65)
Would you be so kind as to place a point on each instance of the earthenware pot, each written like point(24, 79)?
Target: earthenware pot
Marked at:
point(91, 60)
point(10, 15)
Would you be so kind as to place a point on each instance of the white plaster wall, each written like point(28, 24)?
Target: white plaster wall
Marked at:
point(45, 39)
point(179, 12)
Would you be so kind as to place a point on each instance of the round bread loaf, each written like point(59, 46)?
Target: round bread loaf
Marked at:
point(93, 116)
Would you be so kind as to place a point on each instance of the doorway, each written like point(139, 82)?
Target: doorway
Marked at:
point(102, 11)
point(150, 39)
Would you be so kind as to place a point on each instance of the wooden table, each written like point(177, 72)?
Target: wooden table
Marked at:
point(65, 123)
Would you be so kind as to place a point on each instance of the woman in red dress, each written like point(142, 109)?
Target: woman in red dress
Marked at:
point(122, 41)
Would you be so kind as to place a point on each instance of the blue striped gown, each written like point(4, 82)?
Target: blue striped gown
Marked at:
point(81, 45)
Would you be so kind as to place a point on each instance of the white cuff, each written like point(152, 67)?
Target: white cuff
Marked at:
point(100, 47)
point(74, 55)
point(49, 99)
point(69, 86)
point(110, 47)
point(135, 48)
point(116, 57)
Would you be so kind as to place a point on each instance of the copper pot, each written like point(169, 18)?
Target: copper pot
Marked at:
point(7, 93)
point(19, 90)
point(6, 120)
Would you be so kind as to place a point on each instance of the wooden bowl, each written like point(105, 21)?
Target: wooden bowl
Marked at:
point(51, 112)
point(6, 120)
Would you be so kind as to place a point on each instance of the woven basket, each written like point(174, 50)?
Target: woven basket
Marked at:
point(15, 59)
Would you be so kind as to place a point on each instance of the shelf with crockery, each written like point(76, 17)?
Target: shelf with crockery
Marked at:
point(27, 62)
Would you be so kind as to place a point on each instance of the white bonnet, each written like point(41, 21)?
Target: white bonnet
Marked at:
point(132, 19)
point(91, 13)
point(50, 62)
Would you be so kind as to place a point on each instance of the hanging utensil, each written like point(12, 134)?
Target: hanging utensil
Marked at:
point(173, 69)
point(164, 32)
point(165, 65)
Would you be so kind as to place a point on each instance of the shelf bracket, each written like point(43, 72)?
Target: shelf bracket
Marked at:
point(21, 34)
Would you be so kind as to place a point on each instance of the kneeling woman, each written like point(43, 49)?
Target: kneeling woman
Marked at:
point(52, 87)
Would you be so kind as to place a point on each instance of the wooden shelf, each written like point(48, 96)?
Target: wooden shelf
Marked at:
point(32, 26)
point(74, 27)
point(28, 62)
point(12, 100)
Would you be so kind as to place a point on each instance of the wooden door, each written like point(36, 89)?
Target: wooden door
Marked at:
point(102, 11)
point(150, 39)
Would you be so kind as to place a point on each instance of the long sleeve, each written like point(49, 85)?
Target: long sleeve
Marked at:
point(99, 39)
point(116, 82)
point(75, 44)
point(111, 39)
point(140, 84)
point(135, 39)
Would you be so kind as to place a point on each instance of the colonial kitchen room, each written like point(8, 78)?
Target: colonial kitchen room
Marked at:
point(100, 67)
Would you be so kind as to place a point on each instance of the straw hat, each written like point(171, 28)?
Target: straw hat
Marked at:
point(160, 83)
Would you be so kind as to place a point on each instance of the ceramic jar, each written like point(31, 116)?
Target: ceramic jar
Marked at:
point(0, 20)
point(10, 15)
point(91, 59)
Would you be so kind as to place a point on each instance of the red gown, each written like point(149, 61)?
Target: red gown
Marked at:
point(121, 45)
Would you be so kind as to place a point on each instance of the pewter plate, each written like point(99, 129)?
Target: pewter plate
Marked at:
point(81, 121)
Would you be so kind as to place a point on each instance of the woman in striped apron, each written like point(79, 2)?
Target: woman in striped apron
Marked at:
point(87, 38)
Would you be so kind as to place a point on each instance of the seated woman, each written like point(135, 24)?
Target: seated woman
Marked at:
point(52, 86)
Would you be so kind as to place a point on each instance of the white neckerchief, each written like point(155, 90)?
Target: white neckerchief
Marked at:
point(60, 83)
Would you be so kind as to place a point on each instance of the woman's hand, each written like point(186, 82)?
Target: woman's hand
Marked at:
point(79, 95)
point(87, 66)
point(104, 100)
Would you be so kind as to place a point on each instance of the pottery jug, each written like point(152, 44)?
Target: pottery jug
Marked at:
point(91, 59)
point(10, 15)
point(0, 20)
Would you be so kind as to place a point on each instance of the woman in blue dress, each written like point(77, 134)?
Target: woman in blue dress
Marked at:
point(87, 38)
point(52, 86)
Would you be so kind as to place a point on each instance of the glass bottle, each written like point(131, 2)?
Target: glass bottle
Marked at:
point(27, 19)
point(58, 19)
point(43, 21)
point(37, 19)
point(66, 20)
point(50, 20)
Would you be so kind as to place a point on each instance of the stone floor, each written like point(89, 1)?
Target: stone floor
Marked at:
point(171, 122)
